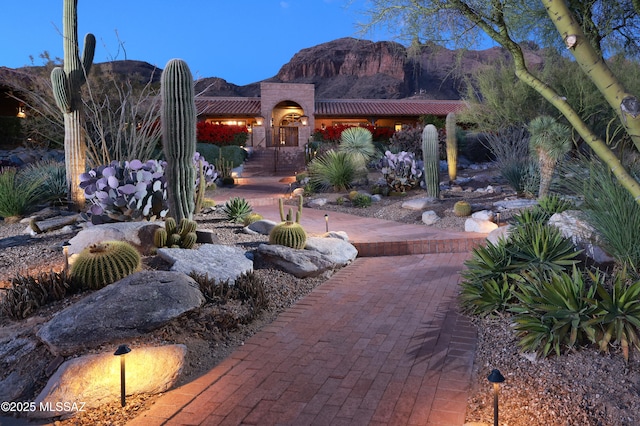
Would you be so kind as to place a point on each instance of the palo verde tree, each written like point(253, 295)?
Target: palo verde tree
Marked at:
point(67, 82)
point(585, 28)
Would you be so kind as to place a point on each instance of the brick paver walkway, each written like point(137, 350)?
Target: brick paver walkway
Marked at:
point(379, 343)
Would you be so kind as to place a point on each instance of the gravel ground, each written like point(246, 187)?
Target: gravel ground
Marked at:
point(580, 388)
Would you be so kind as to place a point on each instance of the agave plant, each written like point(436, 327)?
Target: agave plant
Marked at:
point(489, 296)
point(554, 313)
point(236, 209)
point(618, 315)
point(541, 247)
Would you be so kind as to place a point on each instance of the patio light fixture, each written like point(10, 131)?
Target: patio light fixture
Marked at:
point(496, 378)
point(121, 352)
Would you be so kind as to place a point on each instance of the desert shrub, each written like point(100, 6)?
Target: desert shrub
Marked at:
point(334, 169)
point(247, 288)
point(361, 200)
point(236, 209)
point(609, 208)
point(18, 195)
point(53, 177)
point(28, 293)
point(510, 149)
point(408, 139)
point(209, 151)
point(235, 154)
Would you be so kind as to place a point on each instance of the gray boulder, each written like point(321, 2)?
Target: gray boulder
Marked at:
point(320, 256)
point(573, 225)
point(430, 217)
point(127, 308)
point(139, 234)
point(419, 203)
point(93, 380)
point(218, 261)
point(263, 227)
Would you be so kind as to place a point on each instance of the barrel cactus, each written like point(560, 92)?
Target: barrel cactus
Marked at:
point(103, 263)
point(176, 235)
point(179, 137)
point(462, 208)
point(452, 146)
point(289, 233)
point(431, 160)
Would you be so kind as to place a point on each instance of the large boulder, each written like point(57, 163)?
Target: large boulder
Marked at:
point(320, 256)
point(127, 308)
point(93, 380)
point(572, 224)
point(478, 225)
point(219, 262)
point(139, 234)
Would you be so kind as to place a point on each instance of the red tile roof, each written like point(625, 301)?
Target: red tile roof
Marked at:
point(206, 105)
point(386, 107)
point(335, 107)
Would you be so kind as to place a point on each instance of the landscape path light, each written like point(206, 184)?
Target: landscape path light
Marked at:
point(65, 252)
point(121, 352)
point(496, 378)
point(326, 222)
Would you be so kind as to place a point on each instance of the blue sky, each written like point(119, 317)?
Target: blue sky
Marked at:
point(241, 41)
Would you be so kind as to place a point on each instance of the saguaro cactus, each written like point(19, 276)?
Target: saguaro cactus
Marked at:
point(431, 160)
point(67, 82)
point(452, 146)
point(179, 137)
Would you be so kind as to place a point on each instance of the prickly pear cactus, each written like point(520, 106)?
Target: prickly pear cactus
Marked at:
point(452, 146)
point(179, 137)
point(103, 263)
point(67, 83)
point(431, 160)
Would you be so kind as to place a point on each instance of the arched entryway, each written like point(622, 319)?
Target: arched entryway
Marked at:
point(287, 120)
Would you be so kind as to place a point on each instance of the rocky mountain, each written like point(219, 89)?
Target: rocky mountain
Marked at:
point(350, 68)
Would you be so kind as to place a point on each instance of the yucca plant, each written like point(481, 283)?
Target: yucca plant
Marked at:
point(17, 194)
point(236, 209)
point(358, 142)
point(541, 247)
point(334, 169)
point(554, 312)
point(618, 315)
point(550, 141)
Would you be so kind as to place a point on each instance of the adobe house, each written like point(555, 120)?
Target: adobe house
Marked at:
point(284, 117)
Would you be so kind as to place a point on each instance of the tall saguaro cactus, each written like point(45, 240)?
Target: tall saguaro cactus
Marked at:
point(179, 137)
point(67, 83)
point(452, 146)
point(431, 160)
